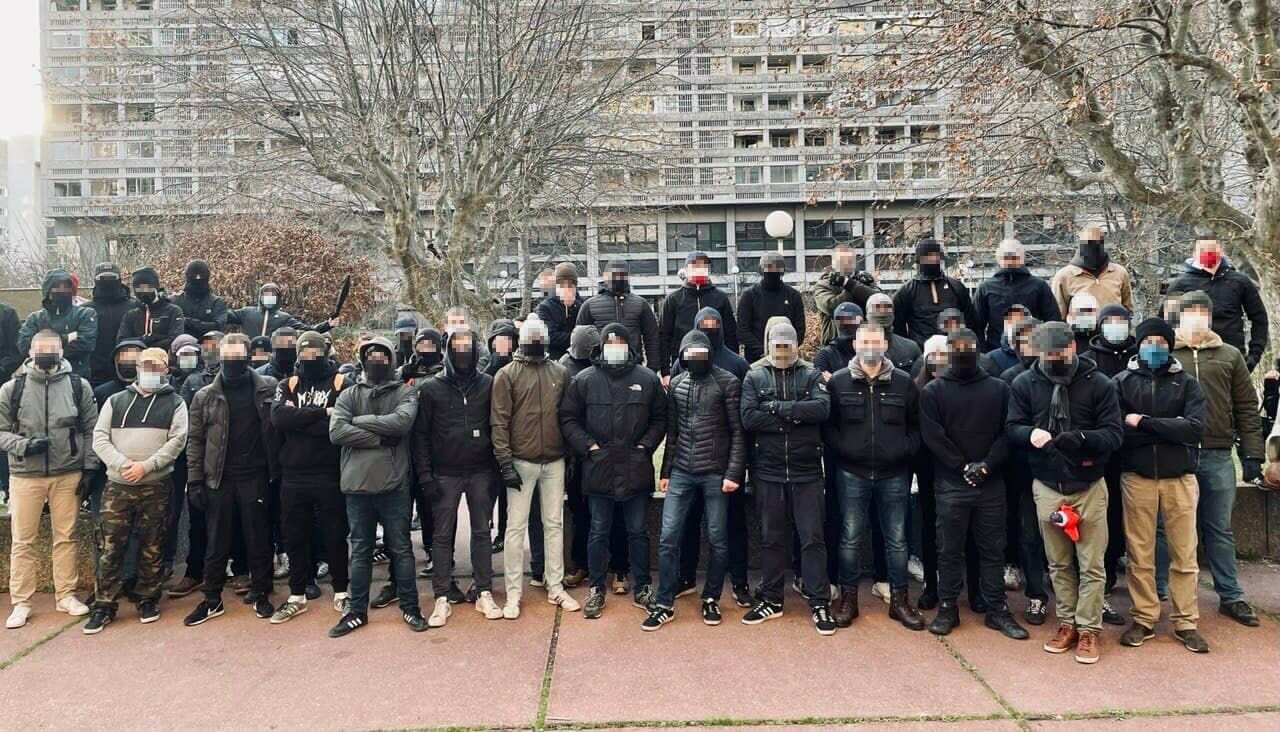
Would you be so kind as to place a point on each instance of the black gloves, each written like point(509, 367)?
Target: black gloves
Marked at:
point(37, 446)
point(1252, 469)
point(976, 473)
point(862, 278)
point(1252, 361)
point(389, 440)
point(510, 478)
point(196, 495)
point(85, 486)
point(1069, 441)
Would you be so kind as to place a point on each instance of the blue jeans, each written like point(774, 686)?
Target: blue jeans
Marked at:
point(892, 498)
point(635, 514)
point(1217, 478)
point(682, 492)
point(364, 513)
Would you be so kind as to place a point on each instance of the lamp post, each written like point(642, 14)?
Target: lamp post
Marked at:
point(779, 225)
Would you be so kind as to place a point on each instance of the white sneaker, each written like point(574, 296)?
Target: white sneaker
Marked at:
point(72, 606)
point(342, 602)
point(915, 568)
point(511, 610)
point(564, 600)
point(18, 617)
point(487, 607)
point(881, 590)
point(440, 615)
point(1012, 578)
point(280, 567)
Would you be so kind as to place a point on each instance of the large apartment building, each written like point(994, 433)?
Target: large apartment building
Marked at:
point(751, 107)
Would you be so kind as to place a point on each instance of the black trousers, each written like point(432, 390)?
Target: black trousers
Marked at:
point(197, 542)
point(965, 512)
point(785, 507)
point(1021, 508)
point(249, 497)
point(304, 502)
point(1115, 523)
point(177, 496)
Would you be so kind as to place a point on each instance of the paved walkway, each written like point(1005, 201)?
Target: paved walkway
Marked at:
point(556, 670)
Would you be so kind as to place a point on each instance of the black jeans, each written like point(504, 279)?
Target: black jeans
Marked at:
point(364, 513)
point(247, 495)
point(929, 521)
point(444, 508)
point(634, 512)
point(1030, 549)
point(177, 494)
point(784, 507)
point(964, 511)
point(303, 503)
point(1115, 523)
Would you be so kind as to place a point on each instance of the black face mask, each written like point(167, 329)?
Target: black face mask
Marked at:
point(1092, 254)
point(501, 359)
point(619, 285)
point(429, 359)
point(463, 360)
point(712, 334)
point(1057, 368)
point(257, 361)
point(698, 367)
point(771, 280)
point(285, 357)
point(62, 301)
point(846, 332)
point(47, 361)
point(964, 363)
point(534, 351)
point(235, 368)
point(127, 371)
point(312, 368)
point(377, 371)
point(930, 270)
point(198, 288)
point(147, 298)
point(108, 287)
point(406, 343)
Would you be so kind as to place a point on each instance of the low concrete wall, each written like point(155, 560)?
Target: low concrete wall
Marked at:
point(87, 552)
point(1256, 522)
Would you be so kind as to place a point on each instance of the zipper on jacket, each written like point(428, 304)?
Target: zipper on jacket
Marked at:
point(46, 424)
point(871, 385)
point(1195, 359)
point(1155, 446)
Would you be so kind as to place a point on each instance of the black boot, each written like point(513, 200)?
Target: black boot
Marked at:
point(928, 599)
point(1001, 620)
point(900, 609)
point(948, 618)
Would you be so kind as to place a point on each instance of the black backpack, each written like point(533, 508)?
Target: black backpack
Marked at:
point(20, 383)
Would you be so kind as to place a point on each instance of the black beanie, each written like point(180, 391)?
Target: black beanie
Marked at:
point(928, 245)
point(1155, 327)
point(146, 276)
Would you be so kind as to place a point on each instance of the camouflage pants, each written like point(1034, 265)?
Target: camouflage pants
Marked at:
point(141, 511)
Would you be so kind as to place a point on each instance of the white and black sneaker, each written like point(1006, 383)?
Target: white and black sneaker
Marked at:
point(822, 621)
point(760, 612)
point(100, 618)
point(206, 610)
point(711, 612)
point(380, 555)
point(742, 596)
point(645, 597)
point(658, 617)
point(348, 623)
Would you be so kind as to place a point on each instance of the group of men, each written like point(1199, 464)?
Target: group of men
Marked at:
point(1032, 444)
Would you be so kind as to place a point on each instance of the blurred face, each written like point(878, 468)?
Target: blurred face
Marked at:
point(1011, 260)
point(568, 293)
point(284, 341)
point(843, 262)
point(503, 345)
point(1023, 340)
point(931, 258)
point(48, 345)
point(1208, 253)
point(870, 340)
point(938, 360)
point(233, 351)
point(546, 280)
point(209, 350)
point(128, 357)
point(378, 356)
point(260, 356)
point(461, 342)
point(455, 320)
point(311, 354)
point(882, 312)
point(950, 325)
point(145, 293)
point(426, 345)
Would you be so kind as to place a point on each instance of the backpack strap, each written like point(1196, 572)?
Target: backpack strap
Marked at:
point(77, 388)
point(15, 397)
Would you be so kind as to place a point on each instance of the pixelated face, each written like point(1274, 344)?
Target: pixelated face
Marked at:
point(462, 342)
point(377, 355)
point(230, 351)
point(1012, 317)
point(939, 360)
point(931, 258)
point(426, 345)
point(287, 340)
point(311, 353)
point(871, 339)
point(697, 353)
point(128, 356)
point(1011, 259)
point(503, 344)
point(843, 260)
point(963, 345)
point(47, 343)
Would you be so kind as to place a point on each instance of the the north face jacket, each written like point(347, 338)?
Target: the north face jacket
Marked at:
point(704, 421)
point(48, 409)
point(363, 417)
point(917, 304)
point(207, 434)
point(78, 326)
point(150, 429)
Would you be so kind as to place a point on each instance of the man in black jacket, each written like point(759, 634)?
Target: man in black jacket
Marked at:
point(284, 354)
point(310, 493)
point(1066, 411)
point(785, 403)
point(453, 457)
point(680, 310)
point(559, 310)
point(918, 302)
point(426, 359)
point(1164, 412)
point(705, 457)
point(154, 320)
point(264, 318)
point(202, 311)
point(765, 299)
point(1012, 284)
point(616, 303)
point(584, 346)
point(614, 415)
point(874, 429)
point(502, 341)
point(962, 421)
point(1235, 298)
point(111, 300)
point(903, 352)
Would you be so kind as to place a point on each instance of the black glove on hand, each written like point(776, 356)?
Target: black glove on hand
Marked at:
point(389, 440)
point(510, 478)
point(85, 486)
point(196, 495)
point(1252, 469)
point(37, 446)
point(976, 473)
point(838, 279)
point(864, 278)
point(1069, 441)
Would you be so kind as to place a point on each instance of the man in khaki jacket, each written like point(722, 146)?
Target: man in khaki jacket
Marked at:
point(1092, 271)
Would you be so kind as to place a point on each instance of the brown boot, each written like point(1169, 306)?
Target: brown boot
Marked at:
point(845, 608)
point(901, 610)
point(1064, 640)
point(1087, 647)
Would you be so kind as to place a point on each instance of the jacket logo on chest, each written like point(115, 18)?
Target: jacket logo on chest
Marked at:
point(636, 387)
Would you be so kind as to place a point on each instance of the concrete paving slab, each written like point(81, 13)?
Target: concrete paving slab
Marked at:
point(471, 672)
point(1240, 670)
point(780, 670)
point(44, 620)
point(986, 725)
point(1256, 722)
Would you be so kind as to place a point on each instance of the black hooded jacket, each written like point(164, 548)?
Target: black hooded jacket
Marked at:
point(111, 300)
point(1095, 415)
point(1165, 444)
point(955, 432)
point(874, 426)
point(300, 418)
point(202, 311)
point(10, 359)
point(679, 316)
point(1005, 288)
point(492, 362)
point(117, 383)
point(704, 421)
point(917, 304)
point(1235, 297)
point(77, 319)
point(785, 409)
point(451, 432)
point(623, 410)
point(156, 324)
point(721, 356)
point(256, 321)
point(560, 319)
point(759, 303)
point(1112, 359)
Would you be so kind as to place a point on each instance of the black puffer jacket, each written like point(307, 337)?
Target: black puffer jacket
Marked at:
point(623, 410)
point(874, 426)
point(632, 311)
point(111, 300)
point(704, 421)
point(560, 319)
point(156, 324)
point(759, 303)
point(1235, 297)
point(962, 421)
point(1112, 359)
point(1005, 288)
point(917, 303)
point(785, 410)
point(678, 318)
point(451, 432)
point(1095, 414)
point(1165, 443)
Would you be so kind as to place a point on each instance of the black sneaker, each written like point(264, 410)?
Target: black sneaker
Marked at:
point(455, 594)
point(386, 596)
point(711, 612)
point(1136, 634)
point(686, 587)
point(822, 621)
point(498, 545)
point(428, 563)
point(348, 623)
point(1192, 640)
point(263, 608)
point(1002, 621)
point(312, 591)
point(415, 621)
point(380, 555)
point(1036, 612)
point(206, 610)
point(742, 596)
point(645, 597)
point(148, 612)
point(658, 617)
point(1109, 614)
point(594, 605)
point(760, 612)
point(1240, 611)
point(98, 619)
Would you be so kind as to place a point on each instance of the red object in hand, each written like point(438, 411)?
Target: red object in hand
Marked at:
point(1068, 520)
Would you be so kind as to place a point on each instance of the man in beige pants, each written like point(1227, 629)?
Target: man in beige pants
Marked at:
point(47, 415)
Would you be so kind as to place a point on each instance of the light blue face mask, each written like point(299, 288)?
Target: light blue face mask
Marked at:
point(1154, 355)
point(150, 380)
point(1115, 332)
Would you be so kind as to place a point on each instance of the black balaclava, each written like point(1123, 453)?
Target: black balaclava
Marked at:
point(285, 356)
point(1093, 254)
point(925, 247)
point(963, 364)
point(427, 360)
point(844, 311)
point(378, 373)
point(197, 279)
point(107, 285)
point(260, 343)
point(618, 277)
point(772, 267)
point(697, 367)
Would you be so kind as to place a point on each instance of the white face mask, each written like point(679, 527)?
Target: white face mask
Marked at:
point(1195, 324)
point(268, 301)
point(1082, 322)
point(187, 363)
point(150, 380)
point(1115, 332)
point(617, 353)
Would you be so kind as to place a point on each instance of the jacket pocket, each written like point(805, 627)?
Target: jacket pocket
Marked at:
point(893, 409)
point(853, 407)
point(617, 471)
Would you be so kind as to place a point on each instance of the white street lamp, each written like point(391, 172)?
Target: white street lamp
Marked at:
point(779, 225)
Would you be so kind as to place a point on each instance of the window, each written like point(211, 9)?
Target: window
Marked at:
point(782, 138)
point(138, 39)
point(747, 104)
point(888, 135)
point(557, 240)
point(780, 64)
point(922, 135)
point(816, 102)
point(104, 187)
point(748, 141)
point(682, 176)
point(177, 186)
point(779, 103)
point(703, 29)
point(816, 64)
point(901, 232)
point(684, 29)
point(784, 174)
point(711, 103)
point(709, 237)
point(816, 172)
point(891, 171)
point(177, 148)
point(827, 234)
point(712, 139)
point(139, 186)
point(66, 189)
point(65, 150)
point(103, 75)
point(175, 36)
point(926, 169)
point(102, 113)
point(745, 68)
point(139, 149)
point(64, 6)
point(747, 174)
point(684, 103)
point(627, 239)
point(102, 151)
point(140, 112)
point(853, 136)
point(65, 114)
point(815, 138)
point(684, 66)
point(286, 36)
point(683, 139)
point(1043, 229)
point(648, 31)
point(702, 65)
point(64, 74)
point(745, 28)
point(66, 39)
point(969, 231)
point(101, 39)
